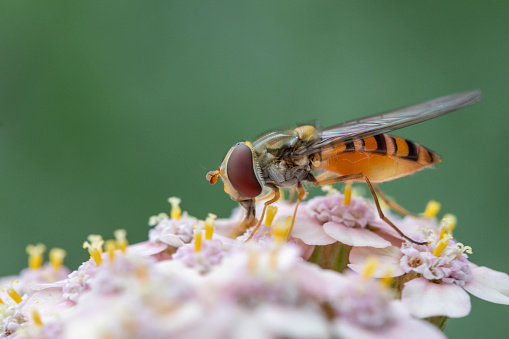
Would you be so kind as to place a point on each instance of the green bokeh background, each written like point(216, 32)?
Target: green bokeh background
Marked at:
point(107, 108)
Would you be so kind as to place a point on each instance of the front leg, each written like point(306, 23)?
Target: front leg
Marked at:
point(248, 221)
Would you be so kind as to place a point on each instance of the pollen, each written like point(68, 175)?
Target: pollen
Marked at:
point(121, 239)
point(1, 302)
point(36, 317)
point(94, 246)
point(432, 209)
point(386, 281)
point(452, 221)
point(35, 255)
point(348, 193)
point(445, 228)
point(271, 213)
point(197, 240)
point(176, 212)
point(442, 244)
point(209, 226)
point(369, 267)
point(110, 247)
point(56, 257)
point(14, 295)
point(280, 231)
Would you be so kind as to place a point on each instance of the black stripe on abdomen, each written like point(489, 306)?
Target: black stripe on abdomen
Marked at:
point(381, 146)
point(412, 151)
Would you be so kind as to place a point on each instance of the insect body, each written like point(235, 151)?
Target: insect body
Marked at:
point(357, 150)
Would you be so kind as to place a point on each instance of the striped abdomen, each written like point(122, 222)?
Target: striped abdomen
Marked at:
point(381, 157)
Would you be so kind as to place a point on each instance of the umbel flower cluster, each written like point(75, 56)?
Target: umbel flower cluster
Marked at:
point(343, 274)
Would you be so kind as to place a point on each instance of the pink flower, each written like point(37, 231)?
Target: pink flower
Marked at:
point(442, 276)
point(366, 309)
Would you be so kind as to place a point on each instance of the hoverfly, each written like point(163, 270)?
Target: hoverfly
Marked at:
point(357, 150)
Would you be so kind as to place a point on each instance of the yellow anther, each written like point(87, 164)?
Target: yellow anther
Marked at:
point(348, 193)
point(56, 257)
point(110, 247)
point(387, 279)
point(445, 229)
point(280, 231)
point(209, 226)
point(14, 295)
point(36, 317)
point(35, 255)
point(121, 239)
point(197, 240)
point(369, 267)
point(95, 247)
point(452, 221)
point(271, 213)
point(432, 209)
point(441, 246)
point(1, 302)
point(176, 212)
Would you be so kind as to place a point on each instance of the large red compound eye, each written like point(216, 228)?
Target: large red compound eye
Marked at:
point(241, 172)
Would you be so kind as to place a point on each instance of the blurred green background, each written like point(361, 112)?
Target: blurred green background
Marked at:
point(107, 108)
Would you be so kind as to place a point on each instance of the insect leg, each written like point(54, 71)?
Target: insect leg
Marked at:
point(375, 198)
point(302, 193)
point(267, 203)
point(392, 204)
point(249, 219)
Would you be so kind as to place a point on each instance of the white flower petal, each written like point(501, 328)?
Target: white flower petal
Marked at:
point(311, 232)
point(388, 260)
point(354, 236)
point(172, 240)
point(426, 299)
point(489, 285)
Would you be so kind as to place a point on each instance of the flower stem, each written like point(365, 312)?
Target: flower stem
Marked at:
point(333, 256)
point(438, 321)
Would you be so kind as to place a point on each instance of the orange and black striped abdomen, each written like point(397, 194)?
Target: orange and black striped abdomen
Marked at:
point(381, 157)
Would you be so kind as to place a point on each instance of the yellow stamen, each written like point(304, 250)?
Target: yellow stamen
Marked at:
point(441, 246)
point(110, 247)
point(176, 212)
point(386, 281)
point(95, 247)
point(452, 221)
point(445, 229)
point(121, 239)
point(432, 209)
point(348, 193)
point(35, 254)
point(281, 231)
point(271, 213)
point(369, 267)
point(209, 226)
point(1, 301)
point(14, 295)
point(56, 257)
point(36, 317)
point(197, 240)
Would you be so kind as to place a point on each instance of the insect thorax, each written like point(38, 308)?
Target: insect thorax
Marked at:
point(278, 161)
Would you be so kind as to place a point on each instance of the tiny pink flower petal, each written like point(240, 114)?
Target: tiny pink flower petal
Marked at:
point(310, 232)
point(354, 236)
point(47, 301)
point(147, 248)
point(388, 260)
point(426, 299)
point(489, 285)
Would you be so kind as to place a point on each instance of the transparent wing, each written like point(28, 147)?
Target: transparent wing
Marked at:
point(389, 121)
